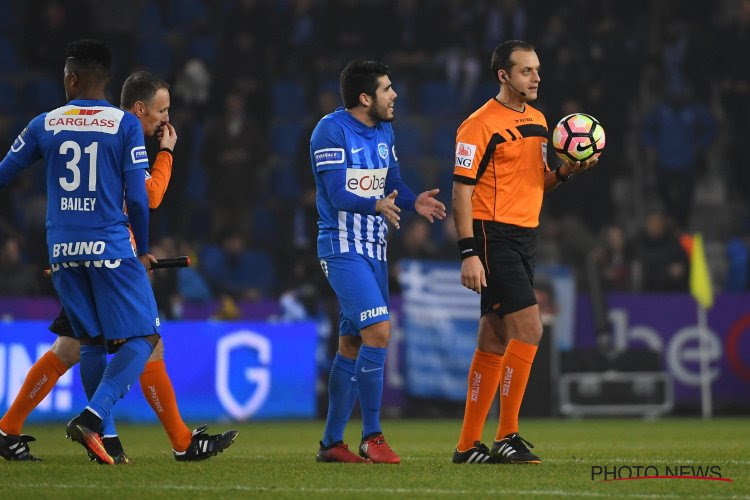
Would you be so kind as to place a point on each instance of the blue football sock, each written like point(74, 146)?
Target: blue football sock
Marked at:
point(369, 373)
point(93, 362)
point(124, 369)
point(342, 394)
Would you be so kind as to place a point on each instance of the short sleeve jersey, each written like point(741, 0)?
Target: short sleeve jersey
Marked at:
point(504, 154)
point(87, 146)
point(340, 141)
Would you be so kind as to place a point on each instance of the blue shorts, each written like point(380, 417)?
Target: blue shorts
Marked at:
point(361, 285)
point(112, 298)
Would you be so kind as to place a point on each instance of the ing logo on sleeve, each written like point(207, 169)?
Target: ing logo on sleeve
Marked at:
point(465, 154)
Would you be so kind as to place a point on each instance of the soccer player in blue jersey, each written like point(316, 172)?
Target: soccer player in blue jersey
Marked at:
point(95, 160)
point(354, 163)
point(147, 97)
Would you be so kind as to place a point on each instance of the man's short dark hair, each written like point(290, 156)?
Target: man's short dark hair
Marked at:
point(360, 76)
point(140, 86)
point(501, 55)
point(89, 55)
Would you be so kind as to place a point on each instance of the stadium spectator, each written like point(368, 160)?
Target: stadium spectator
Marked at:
point(52, 24)
point(302, 28)
point(613, 257)
point(248, 46)
point(734, 86)
point(415, 241)
point(662, 262)
point(236, 270)
point(676, 134)
point(17, 276)
point(164, 282)
point(461, 44)
point(738, 260)
point(234, 156)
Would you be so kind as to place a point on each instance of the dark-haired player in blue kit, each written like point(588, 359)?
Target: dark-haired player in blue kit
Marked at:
point(95, 159)
point(355, 164)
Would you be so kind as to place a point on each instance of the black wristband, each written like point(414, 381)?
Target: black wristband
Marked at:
point(167, 150)
point(468, 247)
point(561, 177)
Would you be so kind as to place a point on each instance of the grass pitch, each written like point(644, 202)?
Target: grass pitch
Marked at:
point(278, 460)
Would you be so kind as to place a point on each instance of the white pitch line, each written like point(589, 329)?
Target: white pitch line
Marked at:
point(605, 460)
point(411, 491)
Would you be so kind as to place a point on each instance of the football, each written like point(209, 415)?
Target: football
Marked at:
point(578, 137)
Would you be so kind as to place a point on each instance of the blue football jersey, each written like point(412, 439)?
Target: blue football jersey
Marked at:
point(340, 141)
point(87, 146)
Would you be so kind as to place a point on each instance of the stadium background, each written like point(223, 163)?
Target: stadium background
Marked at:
point(250, 78)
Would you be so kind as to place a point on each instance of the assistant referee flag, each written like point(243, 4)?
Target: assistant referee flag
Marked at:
point(700, 277)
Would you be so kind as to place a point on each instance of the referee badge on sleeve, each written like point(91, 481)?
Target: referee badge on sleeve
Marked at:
point(465, 154)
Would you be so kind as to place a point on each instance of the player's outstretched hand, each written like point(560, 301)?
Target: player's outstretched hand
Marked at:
point(167, 136)
point(430, 207)
point(387, 207)
point(472, 274)
point(147, 259)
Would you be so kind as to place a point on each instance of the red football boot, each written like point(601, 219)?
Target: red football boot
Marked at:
point(339, 452)
point(376, 449)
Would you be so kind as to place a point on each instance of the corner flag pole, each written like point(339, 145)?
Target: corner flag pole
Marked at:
point(705, 369)
point(702, 291)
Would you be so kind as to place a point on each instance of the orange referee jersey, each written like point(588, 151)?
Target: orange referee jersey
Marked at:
point(157, 182)
point(504, 153)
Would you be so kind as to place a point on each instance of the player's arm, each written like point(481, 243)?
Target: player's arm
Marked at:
point(472, 270)
point(161, 170)
point(341, 199)
point(134, 162)
point(393, 182)
point(425, 204)
point(472, 140)
point(157, 182)
point(328, 156)
point(137, 203)
point(23, 152)
point(8, 170)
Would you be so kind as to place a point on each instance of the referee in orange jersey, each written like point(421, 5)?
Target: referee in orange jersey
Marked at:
point(499, 179)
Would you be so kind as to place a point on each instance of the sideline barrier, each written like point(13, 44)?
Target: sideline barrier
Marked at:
point(220, 371)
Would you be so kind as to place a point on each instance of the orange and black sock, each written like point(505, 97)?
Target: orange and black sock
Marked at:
point(158, 390)
point(40, 380)
point(514, 374)
point(484, 376)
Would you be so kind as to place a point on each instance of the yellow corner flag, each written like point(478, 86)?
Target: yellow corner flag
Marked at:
point(700, 277)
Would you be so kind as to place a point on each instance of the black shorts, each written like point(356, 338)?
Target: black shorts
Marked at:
point(508, 254)
point(61, 325)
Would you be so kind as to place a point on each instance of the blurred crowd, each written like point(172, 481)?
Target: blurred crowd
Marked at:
point(250, 78)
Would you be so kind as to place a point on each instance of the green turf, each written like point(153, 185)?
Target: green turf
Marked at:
point(277, 460)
